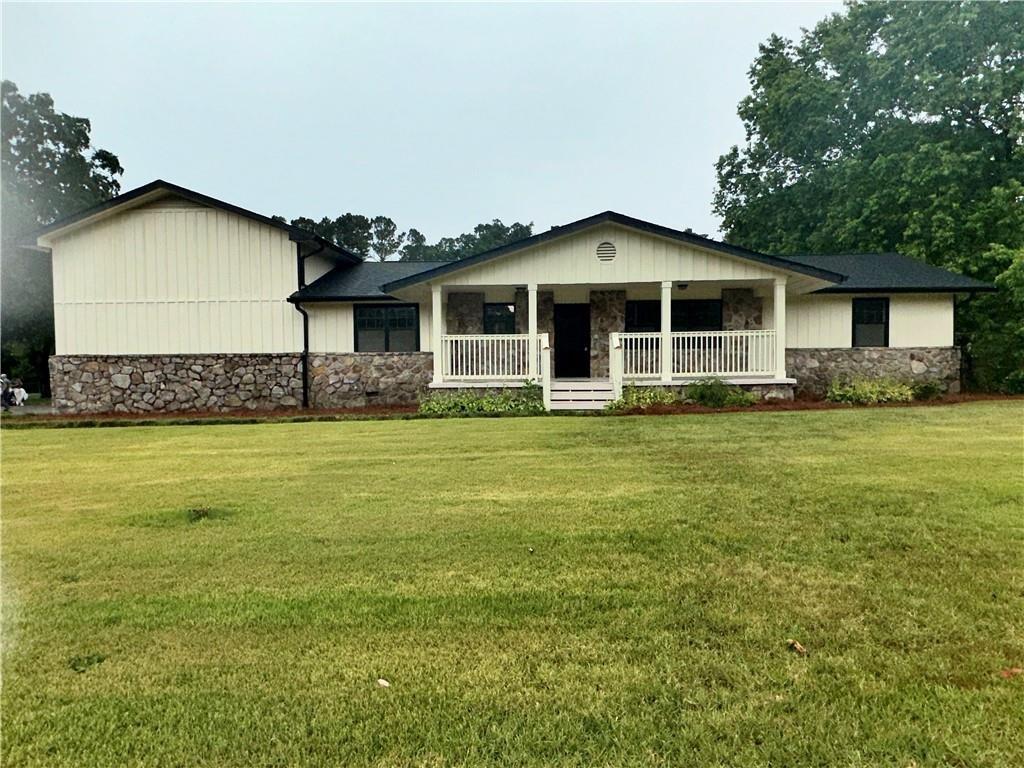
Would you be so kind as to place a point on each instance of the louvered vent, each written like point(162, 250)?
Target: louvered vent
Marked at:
point(606, 251)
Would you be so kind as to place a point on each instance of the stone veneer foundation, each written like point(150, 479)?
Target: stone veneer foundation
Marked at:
point(359, 379)
point(815, 368)
point(146, 383)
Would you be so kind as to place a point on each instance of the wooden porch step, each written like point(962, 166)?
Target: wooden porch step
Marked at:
point(580, 394)
point(578, 405)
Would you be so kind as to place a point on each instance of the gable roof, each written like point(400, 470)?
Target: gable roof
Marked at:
point(890, 273)
point(360, 282)
point(626, 221)
point(156, 189)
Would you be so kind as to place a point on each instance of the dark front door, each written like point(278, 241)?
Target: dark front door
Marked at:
point(572, 341)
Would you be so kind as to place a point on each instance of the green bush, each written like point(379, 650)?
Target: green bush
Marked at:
point(642, 398)
point(715, 393)
point(869, 391)
point(526, 401)
point(927, 390)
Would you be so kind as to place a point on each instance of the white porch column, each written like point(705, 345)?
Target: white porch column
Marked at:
point(779, 314)
point(436, 330)
point(666, 330)
point(531, 314)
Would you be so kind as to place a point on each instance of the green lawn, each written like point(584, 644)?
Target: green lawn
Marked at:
point(572, 591)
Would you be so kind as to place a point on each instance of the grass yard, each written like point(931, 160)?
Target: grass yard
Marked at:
point(570, 591)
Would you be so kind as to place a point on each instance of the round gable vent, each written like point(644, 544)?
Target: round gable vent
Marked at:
point(606, 251)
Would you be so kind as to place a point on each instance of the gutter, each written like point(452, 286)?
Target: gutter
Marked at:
point(300, 275)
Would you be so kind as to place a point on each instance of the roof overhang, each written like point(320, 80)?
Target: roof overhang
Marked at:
point(981, 288)
point(611, 217)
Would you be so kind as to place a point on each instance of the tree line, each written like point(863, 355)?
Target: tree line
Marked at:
point(378, 237)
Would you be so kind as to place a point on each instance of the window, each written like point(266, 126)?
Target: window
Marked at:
point(871, 322)
point(687, 315)
point(499, 318)
point(643, 316)
point(387, 328)
point(697, 315)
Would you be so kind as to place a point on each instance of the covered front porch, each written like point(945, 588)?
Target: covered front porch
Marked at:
point(599, 338)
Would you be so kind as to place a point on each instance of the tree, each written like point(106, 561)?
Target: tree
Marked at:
point(484, 237)
point(349, 230)
point(48, 170)
point(896, 126)
point(386, 237)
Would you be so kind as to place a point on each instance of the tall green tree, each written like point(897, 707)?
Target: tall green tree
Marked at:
point(350, 230)
point(895, 126)
point(48, 170)
point(386, 237)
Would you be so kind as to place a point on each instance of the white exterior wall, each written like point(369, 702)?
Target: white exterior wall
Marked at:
point(174, 277)
point(915, 320)
point(640, 258)
point(332, 326)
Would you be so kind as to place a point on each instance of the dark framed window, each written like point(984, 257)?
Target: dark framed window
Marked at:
point(643, 316)
point(387, 328)
point(687, 315)
point(871, 322)
point(499, 318)
point(697, 315)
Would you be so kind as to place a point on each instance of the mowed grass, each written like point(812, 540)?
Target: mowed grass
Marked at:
point(546, 591)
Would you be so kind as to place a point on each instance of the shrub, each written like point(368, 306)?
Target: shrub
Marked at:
point(527, 401)
point(715, 393)
point(926, 390)
point(869, 391)
point(1014, 383)
point(642, 398)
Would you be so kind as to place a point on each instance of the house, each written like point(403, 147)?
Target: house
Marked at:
point(166, 299)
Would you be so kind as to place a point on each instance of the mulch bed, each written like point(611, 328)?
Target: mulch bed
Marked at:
point(808, 405)
point(374, 413)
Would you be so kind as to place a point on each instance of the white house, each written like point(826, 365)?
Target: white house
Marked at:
point(166, 299)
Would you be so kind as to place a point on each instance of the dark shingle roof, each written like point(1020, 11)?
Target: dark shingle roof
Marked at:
point(889, 272)
point(360, 282)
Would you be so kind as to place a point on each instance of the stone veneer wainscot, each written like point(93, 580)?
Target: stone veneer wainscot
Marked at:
point(148, 383)
point(815, 368)
point(145, 383)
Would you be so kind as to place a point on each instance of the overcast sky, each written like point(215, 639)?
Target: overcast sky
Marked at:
point(440, 116)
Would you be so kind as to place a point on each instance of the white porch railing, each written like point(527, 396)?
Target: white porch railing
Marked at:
point(724, 353)
point(488, 357)
point(637, 356)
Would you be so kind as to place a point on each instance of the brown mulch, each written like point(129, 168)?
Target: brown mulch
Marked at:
point(405, 411)
point(808, 405)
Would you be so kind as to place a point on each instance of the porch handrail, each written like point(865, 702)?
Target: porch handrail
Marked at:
point(637, 356)
point(545, 369)
point(487, 356)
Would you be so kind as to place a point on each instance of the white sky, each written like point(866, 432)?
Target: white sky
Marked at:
point(440, 116)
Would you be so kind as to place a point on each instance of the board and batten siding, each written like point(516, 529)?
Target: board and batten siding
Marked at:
point(174, 277)
point(915, 320)
point(639, 258)
point(332, 326)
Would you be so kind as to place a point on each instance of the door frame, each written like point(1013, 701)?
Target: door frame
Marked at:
point(583, 318)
